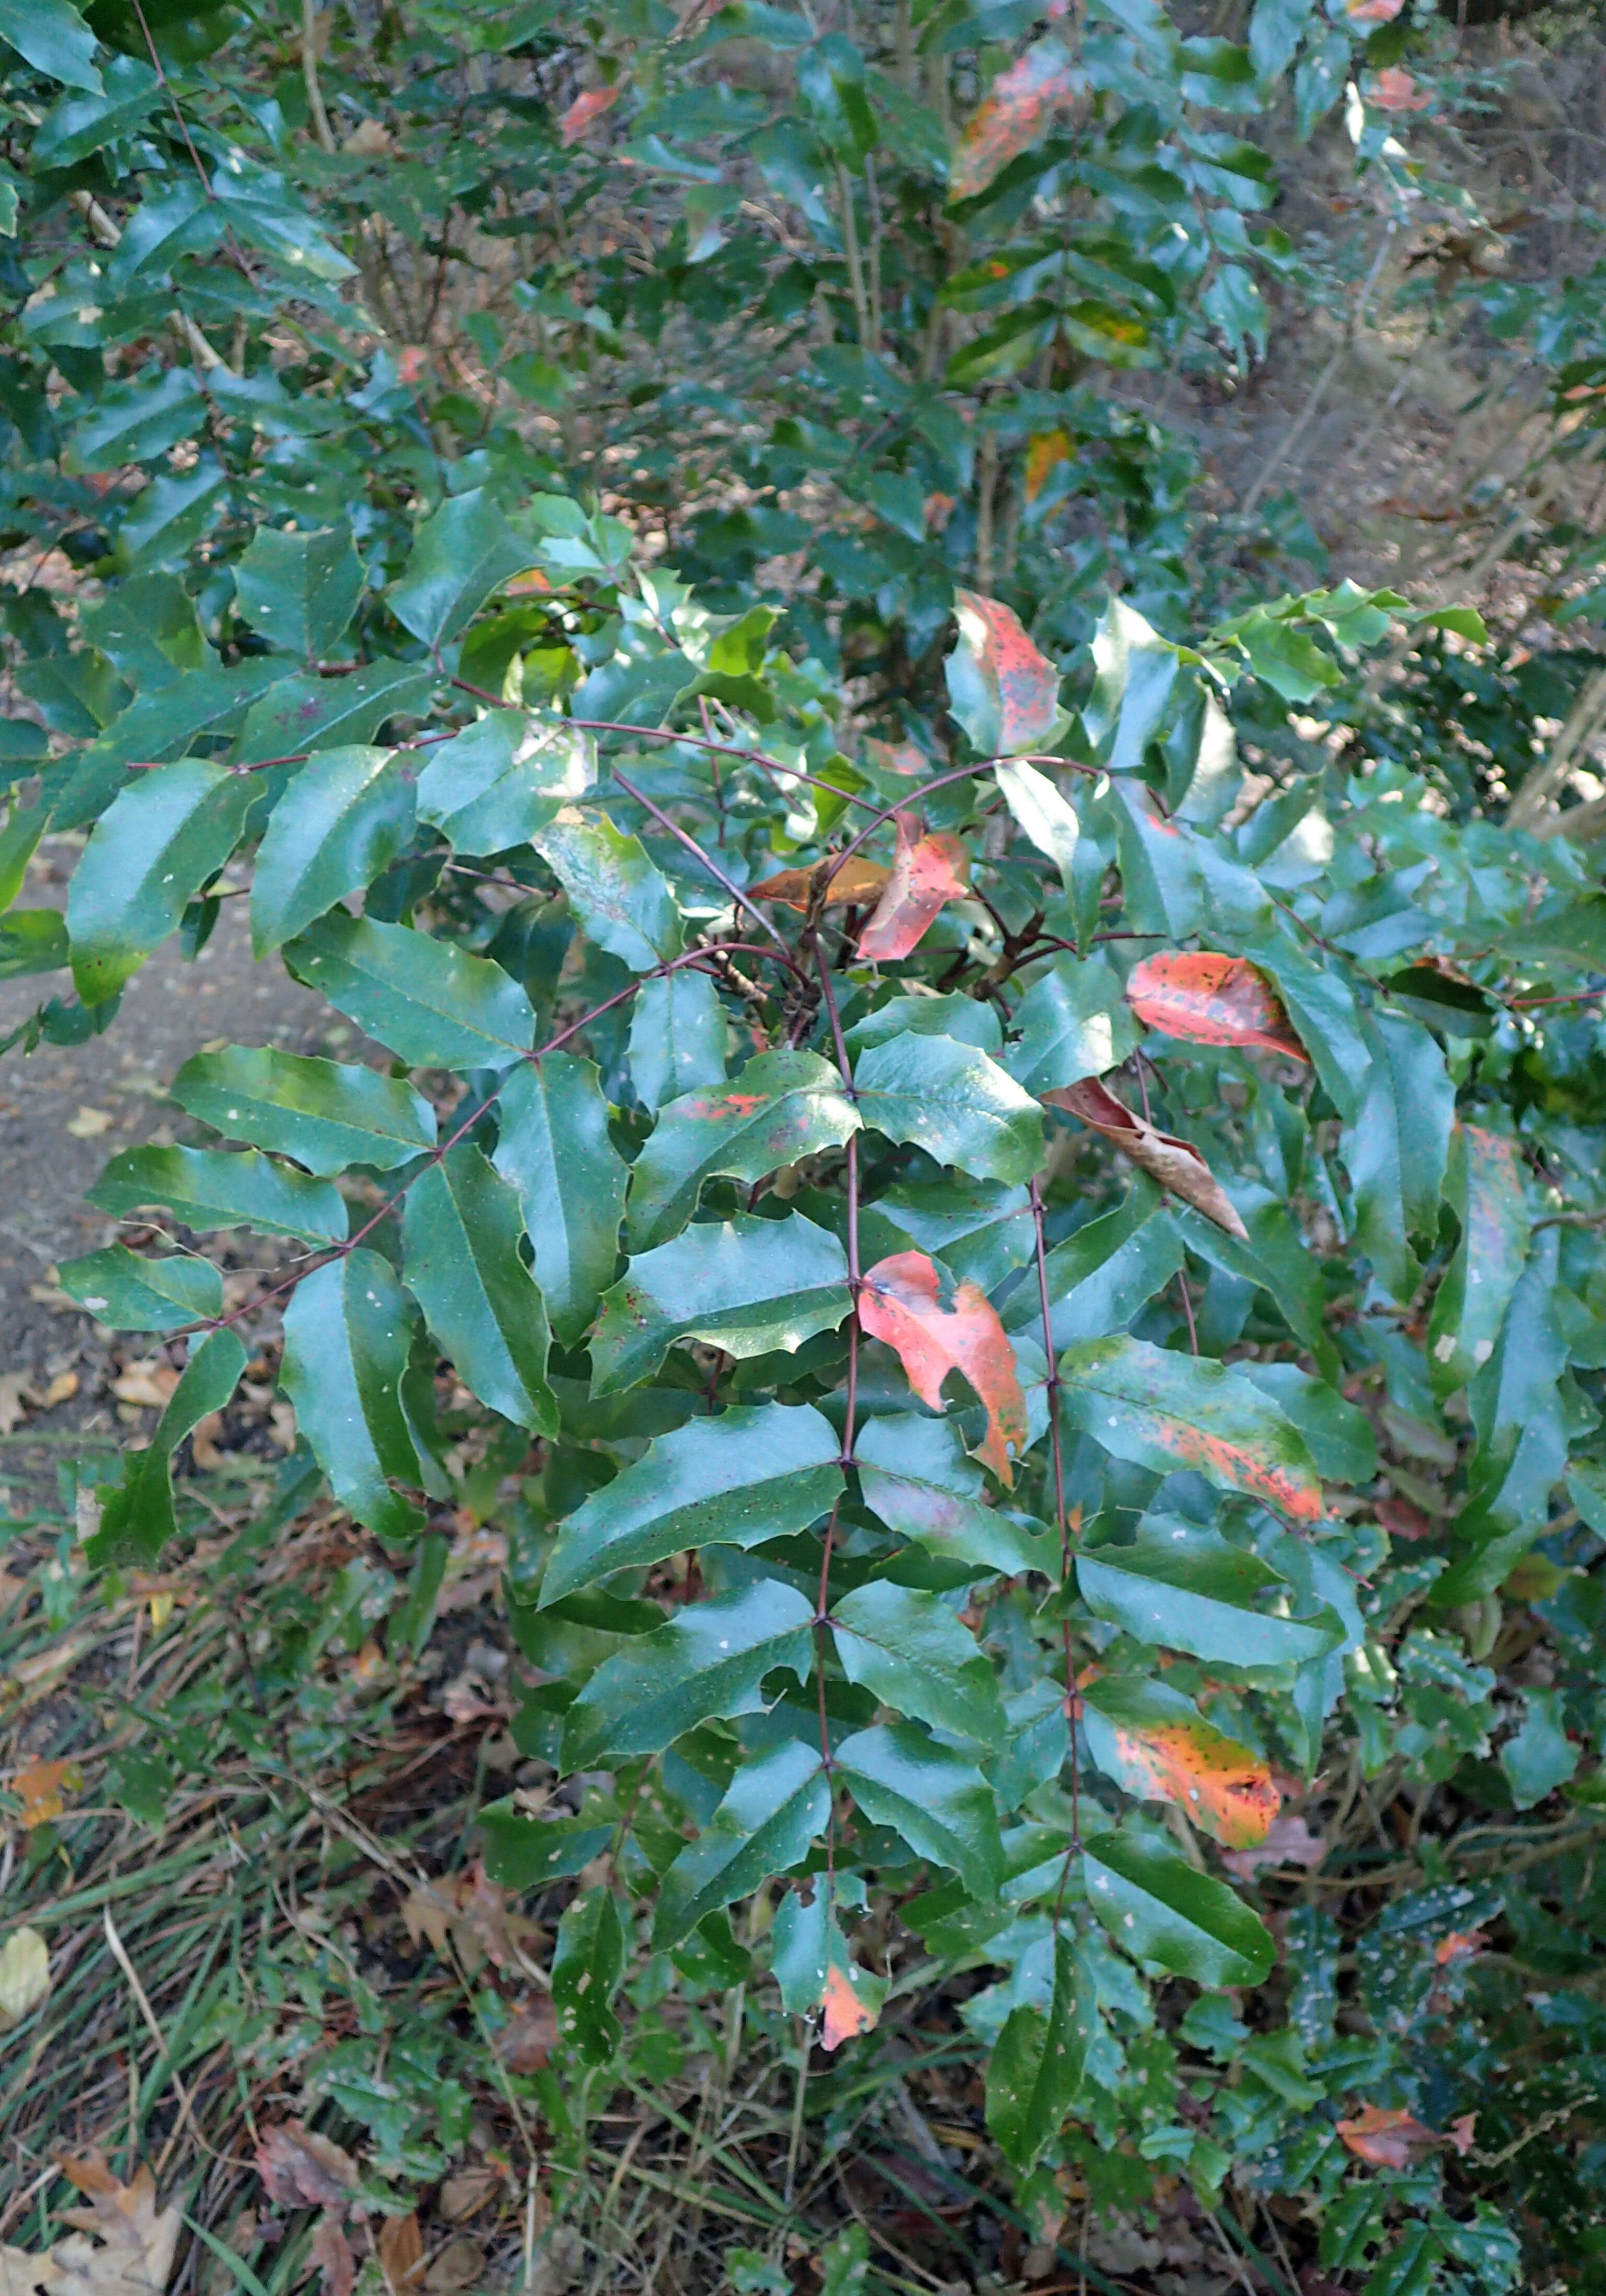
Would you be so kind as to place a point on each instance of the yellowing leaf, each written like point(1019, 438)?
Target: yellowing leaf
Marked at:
point(936, 1326)
point(42, 1787)
point(24, 1976)
point(1010, 116)
point(846, 2013)
point(856, 881)
point(1044, 454)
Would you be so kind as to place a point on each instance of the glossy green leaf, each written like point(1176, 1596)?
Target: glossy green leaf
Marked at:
point(777, 1806)
point(494, 785)
point(345, 817)
point(741, 1480)
point(784, 1105)
point(18, 842)
point(348, 1330)
point(1186, 1589)
point(1035, 2067)
point(1539, 1757)
point(432, 1003)
point(139, 1517)
point(939, 1801)
point(1484, 1185)
point(128, 1293)
point(461, 553)
point(1163, 1911)
point(620, 901)
point(554, 1148)
point(300, 590)
point(325, 1114)
point(304, 713)
point(151, 851)
point(1338, 1436)
point(527, 1853)
point(954, 1102)
point(917, 1476)
point(1398, 1148)
point(750, 1286)
point(710, 1659)
point(1167, 1411)
point(53, 36)
point(587, 1969)
point(461, 1230)
point(1045, 815)
point(911, 1652)
point(1321, 1006)
point(1073, 1022)
point(1104, 1272)
point(678, 1037)
point(137, 420)
point(978, 1229)
point(32, 941)
point(206, 1188)
point(966, 1019)
point(147, 624)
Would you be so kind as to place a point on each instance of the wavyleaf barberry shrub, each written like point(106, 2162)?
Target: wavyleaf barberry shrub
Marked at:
point(938, 1218)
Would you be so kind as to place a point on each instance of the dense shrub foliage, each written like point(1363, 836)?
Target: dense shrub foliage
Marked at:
point(1003, 1134)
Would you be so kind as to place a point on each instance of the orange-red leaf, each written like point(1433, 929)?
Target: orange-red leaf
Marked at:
point(846, 2013)
point(1016, 689)
point(935, 1329)
point(1459, 1945)
point(1207, 998)
point(1223, 1788)
point(1010, 116)
point(897, 757)
point(1176, 1164)
point(857, 879)
point(585, 108)
point(1394, 90)
point(1289, 1841)
point(1044, 455)
point(1372, 12)
point(926, 871)
point(1387, 2137)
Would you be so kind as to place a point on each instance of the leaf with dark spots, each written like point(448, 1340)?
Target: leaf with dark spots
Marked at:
point(1176, 1164)
point(1011, 116)
point(936, 1326)
point(1003, 692)
point(1167, 1411)
point(784, 1105)
point(1158, 1745)
point(857, 881)
point(1207, 998)
point(926, 873)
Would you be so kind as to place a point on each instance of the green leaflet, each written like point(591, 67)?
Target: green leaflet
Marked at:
point(916, 1474)
point(1322, 1009)
point(737, 1480)
point(914, 1654)
point(748, 1285)
point(139, 1520)
point(966, 1019)
point(1048, 819)
point(1160, 1910)
point(433, 1004)
point(1167, 1411)
point(1485, 1189)
point(18, 841)
point(495, 784)
point(954, 1102)
point(147, 626)
point(784, 1105)
point(155, 846)
point(709, 1659)
point(130, 1294)
point(348, 1329)
point(1035, 2067)
point(619, 898)
point(460, 1240)
point(1397, 1147)
point(461, 553)
point(678, 1037)
point(304, 713)
point(345, 817)
point(327, 1115)
point(1073, 1022)
point(205, 1188)
point(1187, 1589)
point(588, 1967)
point(979, 1230)
point(1338, 1436)
point(525, 1853)
point(300, 590)
point(53, 38)
point(939, 1802)
point(1540, 1757)
point(778, 1804)
point(1103, 1275)
point(553, 1146)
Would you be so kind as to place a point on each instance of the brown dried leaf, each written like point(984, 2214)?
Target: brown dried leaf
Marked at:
point(926, 873)
point(331, 2253)
point(1387, 2138)
point(460, 2264)
point(525, 2043)
point(466, 2193)
point(936, 1326)
point(1175, 1164)
point(1289, 1841)
point(856, 879)
point(401, 2250)
point(300, 2169)
point(42, 1788)
point(136, 2240)
point(586, 108)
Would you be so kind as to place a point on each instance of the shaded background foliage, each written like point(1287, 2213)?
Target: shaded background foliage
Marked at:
point(407, 370)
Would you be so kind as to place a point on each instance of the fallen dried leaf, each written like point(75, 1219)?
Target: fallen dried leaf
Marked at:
point(61, 1388)
point(151, 1385)
point(89, 1123)
point(466, 2193)
point(1387, 2138)
point(460, 2264)
point(401, 2250)
point(15, 1397)
point(42, 1788)
point(526, 2043)
point(331, 2253)
point(1175, 1164)
point(24, 1976)
point(137, 2241)
point(302, 2169)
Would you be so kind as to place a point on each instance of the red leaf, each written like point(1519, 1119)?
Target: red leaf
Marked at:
point(1401, 1520)
point(1372, 12)
point(302, 2169)
point(1207, 998)
point(1023, 684)
point(1176, 1164)
point(857, 879)
point(845, 2014)
point(1459, 1945)
point(903, 1302)
point(1010, 116)
point(585, 108)
point(897, 757)
point(1387, 2138)
point(1222, 1786)
point(1289, 1841)
point(1461, 2132)
point(331, 2253)
point(1394, 90)
point(926, 871)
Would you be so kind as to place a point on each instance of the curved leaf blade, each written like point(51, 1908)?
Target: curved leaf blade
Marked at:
point(710, 1659)
point(954, 1102)
point(328, 1115)
point(554, 1148)
point(750, 1286)
point(1162, 1911)
point(939, 1802)
point(348, 1329)
point(156, 845)
point(915, 1655)
point(936, 1326)
point(784, 1105)
point(778, 1805)
point(345, 817)
point(460, 1246)
point(206, 1189)
point(1207, 998)
point(432, 1003)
